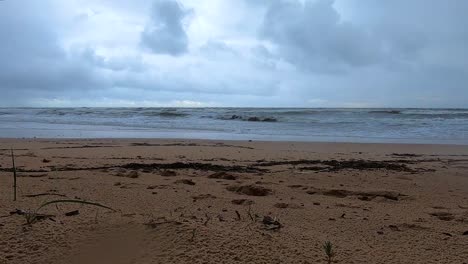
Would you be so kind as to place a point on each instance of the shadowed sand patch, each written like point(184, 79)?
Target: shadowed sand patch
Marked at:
point(222, 175)
point(168, 173)
point(123, 244)
point(406, 226)
point(445, 216)
point(286, 205)
point(203, 197)
point(252, 190)
point(362, 195)
point(185, 181)
point(242, 202)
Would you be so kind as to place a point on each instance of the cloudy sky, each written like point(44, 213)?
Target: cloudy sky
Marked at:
point(299, 53)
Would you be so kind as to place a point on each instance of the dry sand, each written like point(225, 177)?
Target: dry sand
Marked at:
point(181, 201)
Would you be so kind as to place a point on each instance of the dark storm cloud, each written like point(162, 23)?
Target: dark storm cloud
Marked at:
point(165, 33)
point(377, 53)
point(313, 36)
point(32, 62)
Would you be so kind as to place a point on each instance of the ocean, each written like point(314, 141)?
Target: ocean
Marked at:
point(439, 126)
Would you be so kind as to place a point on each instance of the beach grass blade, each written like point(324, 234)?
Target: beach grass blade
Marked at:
point(73, 201)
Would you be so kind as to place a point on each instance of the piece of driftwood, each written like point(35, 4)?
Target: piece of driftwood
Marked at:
point(271, 223)
point(72, 213)
point(44, 194)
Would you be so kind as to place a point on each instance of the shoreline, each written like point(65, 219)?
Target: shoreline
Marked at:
point(409, 143)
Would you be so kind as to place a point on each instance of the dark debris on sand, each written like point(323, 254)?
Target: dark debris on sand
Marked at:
point(336, 165)
point(185, 181)
point(149, 167)
point(362, 195)
point(242, 202)
point(223, 176)
point(271, 223)
point(190, 165)
point(168, 173)
point(252, 190)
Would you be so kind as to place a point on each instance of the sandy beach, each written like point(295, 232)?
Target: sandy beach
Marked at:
point(200, 201)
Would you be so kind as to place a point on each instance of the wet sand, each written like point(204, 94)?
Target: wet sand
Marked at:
point(198, 201)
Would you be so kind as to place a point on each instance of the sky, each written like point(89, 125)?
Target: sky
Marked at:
point(234, 53)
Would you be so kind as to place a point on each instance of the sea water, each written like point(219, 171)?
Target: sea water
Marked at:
point(442, 126)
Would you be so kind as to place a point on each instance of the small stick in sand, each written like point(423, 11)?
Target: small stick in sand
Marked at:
point(238, 216)
point(45, 194)
point(208, 218)
point(193, 235)
point(250, 214)
point(14, 174)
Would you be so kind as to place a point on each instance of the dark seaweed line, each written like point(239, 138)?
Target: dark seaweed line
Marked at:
point(80, 147)
point(168, 166)
point(192, 165)
point(21, 170)
point(335, 165)
point(330, 166)
point(5, 149)
point(186, 145)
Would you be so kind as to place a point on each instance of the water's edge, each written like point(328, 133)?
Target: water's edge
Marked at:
point(420, 126)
